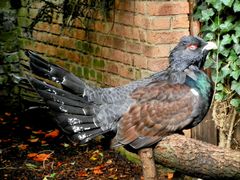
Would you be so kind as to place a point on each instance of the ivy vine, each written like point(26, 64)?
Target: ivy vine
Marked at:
point(221, 23)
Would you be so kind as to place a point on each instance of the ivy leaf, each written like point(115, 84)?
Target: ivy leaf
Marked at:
point(236, 86)
point(235, 102)
point(225, 71)
point(237, 30)
point(217, 5)
point(236, 48)
point(227, 2)
point(236, 6)
point(226, 26)
point(206, 14)
point(219, 87)
point(209, 36)
point(219, 96)
point(208, 63)
point(226, 39)
point(235, 74)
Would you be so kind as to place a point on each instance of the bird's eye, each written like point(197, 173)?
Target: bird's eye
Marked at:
point(192, 47)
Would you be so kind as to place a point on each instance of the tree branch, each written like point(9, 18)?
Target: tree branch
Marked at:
point(197, 159)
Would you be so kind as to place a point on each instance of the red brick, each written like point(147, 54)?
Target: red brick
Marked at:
point(40, 47)
point(133, 6)
point(73, 56)
point(140, 21)
point(159, 37)
point(195, 27)
point(167, 8)
point(42, 26)
point(111, 67)
point(33, 12)
point(100, 26)
point(79, 34)
point(55, 29)
point(180, 21)
point(104, 40)
point(118, 43)
point(51, 50)
point(124, 17)
point(91, 36)
point(53, 39)
point(158, 23)
point(133, 47)
point(67, 42)
point(139, 61)
point(157, 51)
point(158, 64)
point(126, 71)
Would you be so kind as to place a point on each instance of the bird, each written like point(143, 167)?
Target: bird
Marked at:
point(140, 113)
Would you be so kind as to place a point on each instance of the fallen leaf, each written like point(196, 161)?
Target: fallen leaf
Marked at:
point(7, 114)
point(43, 142)
point(22, 147)
point(31, 155)
point(82, 173)
point(27, 127)
point(41, 157)
point(33, 140)
point(52, 134)
point(31, 166)
point(170, 175)
point(59, 164)
point(38, 132)
point(97, 171)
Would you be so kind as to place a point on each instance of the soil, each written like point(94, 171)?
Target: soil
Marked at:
point(31, 147)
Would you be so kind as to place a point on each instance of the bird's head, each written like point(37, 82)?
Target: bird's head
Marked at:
point(191, 50)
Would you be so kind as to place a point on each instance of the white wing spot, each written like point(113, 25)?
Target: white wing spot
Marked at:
point(194, 92)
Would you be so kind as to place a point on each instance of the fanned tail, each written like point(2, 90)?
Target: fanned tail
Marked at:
point(74, 114)
point(50, 71)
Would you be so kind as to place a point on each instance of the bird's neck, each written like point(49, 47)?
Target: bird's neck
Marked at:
point(198, 80)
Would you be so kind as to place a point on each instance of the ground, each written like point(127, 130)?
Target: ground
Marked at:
point(31, 147)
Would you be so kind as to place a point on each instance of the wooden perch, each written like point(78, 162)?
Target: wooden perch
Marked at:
point(197, 159)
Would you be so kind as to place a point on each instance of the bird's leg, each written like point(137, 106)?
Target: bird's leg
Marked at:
point(148, 163)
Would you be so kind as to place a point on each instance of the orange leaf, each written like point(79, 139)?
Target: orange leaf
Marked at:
point(31, 155)
point(33, 140)
point(7, 114)
point(38, 132)
point(59, 164)
point(170, 175)
point(97, 171)
point(41, 157)
point(43, 142)
point(82, 174)
point(22, 146)
point(52, 134)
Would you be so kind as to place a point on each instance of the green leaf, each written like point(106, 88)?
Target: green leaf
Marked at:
point(209, 36)
point(236, 48)
point(235, 102)
point(233, 56)
point(219, 87)
point(237, 31)
point(235, 74)
point(219, 96)
point(218, 5)
point(227, 2)
point(225, 71)
point(226, 26)
point(208, 63)
point(236, 6)
point(236, 86)
point(226, 40)
point(207, 14)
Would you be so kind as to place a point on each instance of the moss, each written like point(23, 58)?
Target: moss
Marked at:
point(98, 64)
point(5, 4)
point(24, 22)
point(11, 58)
point(23, 12)
point(99, 77)
point(129, 155)
point(92, 73)
point(9, 36)
point(86, 73)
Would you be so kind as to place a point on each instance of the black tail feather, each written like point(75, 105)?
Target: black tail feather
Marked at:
point(50, 71)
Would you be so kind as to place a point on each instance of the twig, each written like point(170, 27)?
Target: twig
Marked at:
point(148, 163)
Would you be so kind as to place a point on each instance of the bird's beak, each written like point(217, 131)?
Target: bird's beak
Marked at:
point(210, 45)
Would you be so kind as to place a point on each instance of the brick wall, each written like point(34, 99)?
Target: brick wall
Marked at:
point(139, 43)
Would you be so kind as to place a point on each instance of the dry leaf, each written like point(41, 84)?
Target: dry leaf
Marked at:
point(170, 175)
point(53, 134)
point(31, 155)
point(82, 173)
point(38, 132)
point(22, 147)
point(7, 114)
point(97, 169)
point(41, 157)
point(33, 140)
point(27, 127)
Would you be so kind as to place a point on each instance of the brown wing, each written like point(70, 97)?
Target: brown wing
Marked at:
point(161, 109)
